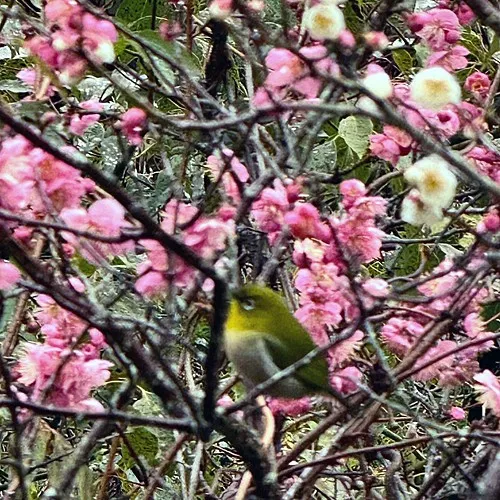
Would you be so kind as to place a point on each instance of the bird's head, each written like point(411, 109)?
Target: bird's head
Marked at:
point(257, 308)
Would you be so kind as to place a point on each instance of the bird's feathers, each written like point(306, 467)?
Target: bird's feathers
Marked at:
point(263, 337)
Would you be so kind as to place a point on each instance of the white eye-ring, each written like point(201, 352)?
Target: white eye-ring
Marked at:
point(248, 304)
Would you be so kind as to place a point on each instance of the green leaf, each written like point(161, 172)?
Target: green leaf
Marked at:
point(15, 86)
point(9, 308)
point(175, 51)
point(323, 157)
point(489, 312)
point(355, 131)
point(145, 445)
point(137, 13)
point(403, 60)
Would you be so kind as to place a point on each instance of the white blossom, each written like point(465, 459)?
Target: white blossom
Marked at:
point(434, 88)
point(379, 84)
point(435, 182)
point(414, 211)
point(324, 21)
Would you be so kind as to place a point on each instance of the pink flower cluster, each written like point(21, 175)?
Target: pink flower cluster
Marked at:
point(486, 161)
point(104, 217)
point(270, 208)
point(234, 173)
point(72, 28)
point(289, 72)
point(393, 143)
point(56, 372)
point(401, 334)
point(206, 236)
point(440, 30)
point(490, 222)
point(34, 182)
point(80, 122)
point(322, 248)
point(132, 124)
point(30, 78)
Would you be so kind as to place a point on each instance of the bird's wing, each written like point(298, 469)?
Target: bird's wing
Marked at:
point(314, 375)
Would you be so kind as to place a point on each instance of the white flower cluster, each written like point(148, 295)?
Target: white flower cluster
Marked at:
point(435, 186)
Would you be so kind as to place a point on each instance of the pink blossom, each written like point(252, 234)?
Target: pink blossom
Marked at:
point(290, 407)
point(343, 350)
point(376, 287)
point(391, 145)
point(104, 217)
point(206, 236)
point(59, 326)
point(457, 413)
point(476, 329)
point(361, 238)
point(439, 28)
point(9, 275)
point(490, 222)
point(308, 251)
point(287, 70)
point(401, 334)
point(132, 124)
point(220, 9)
point(62, 183)
point(30, 78)
point(169, 31)
point(478, 84)
point(268, 97)
point(304, 222)
point(489, 388)
point(150, 283)
point(487, 162)
point(16, 173)
point(39, 361)
point(324, 296)
point(99, 36)
point(376, 40)
point(285, 67)
point(445, 122)
point(351, 190)
point(236, 170)
point(384, 148)
point(69, 27)
point(80, 123)
point(464, 13)
point(456, 368)
point(318, 280)
point(346, 38)
point(31, 178)
point(451, 59)
point(315, 316)
point(73, 383)
point(442, 288)
point(346, 380)
point(270, 208)
point(471, 119)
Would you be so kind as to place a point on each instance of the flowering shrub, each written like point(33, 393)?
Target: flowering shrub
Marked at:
point(155, 156)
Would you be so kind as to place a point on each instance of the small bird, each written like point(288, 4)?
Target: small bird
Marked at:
point(262, 337)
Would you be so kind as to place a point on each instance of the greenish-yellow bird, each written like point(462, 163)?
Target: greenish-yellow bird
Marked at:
point(262, 337)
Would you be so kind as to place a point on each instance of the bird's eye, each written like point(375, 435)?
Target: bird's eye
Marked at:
point(248, 304)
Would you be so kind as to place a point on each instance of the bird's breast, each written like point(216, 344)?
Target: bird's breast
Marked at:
point(253, 361)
